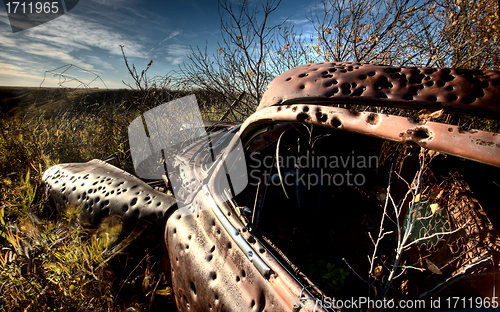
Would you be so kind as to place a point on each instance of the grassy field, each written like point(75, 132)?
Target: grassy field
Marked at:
point(48, 260)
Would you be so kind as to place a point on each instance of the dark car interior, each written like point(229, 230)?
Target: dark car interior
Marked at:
point(320, 198)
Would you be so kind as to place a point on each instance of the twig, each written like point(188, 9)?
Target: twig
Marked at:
point(233, 105)
point(381, 233)
point(347, 263)
point(433, 235)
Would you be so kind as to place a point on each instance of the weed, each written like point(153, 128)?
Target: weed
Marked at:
point(328, 277)
point(48, 261)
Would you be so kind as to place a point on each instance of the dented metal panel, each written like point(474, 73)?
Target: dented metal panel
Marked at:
point(455, 90)
point(210, 272)
point(235, 235)
point(282, 283)
point(101, 189)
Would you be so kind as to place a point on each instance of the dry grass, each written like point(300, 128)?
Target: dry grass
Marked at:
point(48, 261)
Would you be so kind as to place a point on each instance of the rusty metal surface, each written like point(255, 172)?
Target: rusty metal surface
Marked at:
point(101, 189)
point(210, 272)
point(455, 90)
point(281, 283)
point(476, 145)
point(207, 265)
point(209, 268)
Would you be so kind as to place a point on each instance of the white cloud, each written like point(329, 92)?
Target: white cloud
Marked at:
point(56, 53)
point(172, 35)
point(298, 21)
point(8, 68)
point(68, 39)
point(13, 75)
point(7, 56)
point(100, 64)
point(7, 40)
point(90, 35)
point(72, 31)
point(176, 53)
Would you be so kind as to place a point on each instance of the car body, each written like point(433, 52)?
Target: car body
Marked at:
point(268, 245)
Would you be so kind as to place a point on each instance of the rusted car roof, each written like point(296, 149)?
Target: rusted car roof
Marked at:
point(454, 90)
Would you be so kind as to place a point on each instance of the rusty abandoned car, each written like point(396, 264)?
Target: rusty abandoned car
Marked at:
point(328, 192)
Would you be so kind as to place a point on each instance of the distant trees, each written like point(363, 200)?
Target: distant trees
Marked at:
point(461, 34)
point(364, 30)
point(241, 62)
point(443, 33)
point(436, 33)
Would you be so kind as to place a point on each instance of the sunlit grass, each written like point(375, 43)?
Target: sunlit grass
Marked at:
point(48, 261)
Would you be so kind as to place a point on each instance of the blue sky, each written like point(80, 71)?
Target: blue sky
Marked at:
point(90, 35)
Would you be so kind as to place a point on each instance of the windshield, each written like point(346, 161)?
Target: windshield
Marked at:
point(159, 137)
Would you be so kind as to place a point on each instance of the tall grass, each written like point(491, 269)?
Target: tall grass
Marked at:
point(48, 261)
